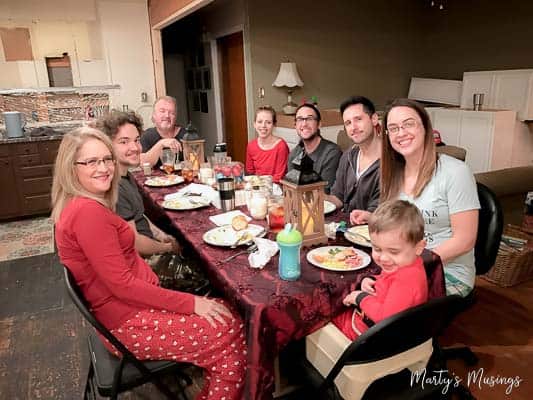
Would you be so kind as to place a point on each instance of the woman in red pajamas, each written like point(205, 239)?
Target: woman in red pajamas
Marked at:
point(97, 246)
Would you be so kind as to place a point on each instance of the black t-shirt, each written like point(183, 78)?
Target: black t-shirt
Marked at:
point(130, 205)
point(150, 137)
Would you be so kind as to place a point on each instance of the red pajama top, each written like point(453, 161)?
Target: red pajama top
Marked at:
point(395, 292)
point(97, 246)
point(267, 162)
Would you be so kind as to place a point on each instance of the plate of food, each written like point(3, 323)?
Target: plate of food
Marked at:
point(329, 207)
point(359, 235)
point(338, 258)
point(227, 236)
point(163, 181)
point(186, 203)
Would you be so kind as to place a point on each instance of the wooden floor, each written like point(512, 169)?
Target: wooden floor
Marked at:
point(43, 352)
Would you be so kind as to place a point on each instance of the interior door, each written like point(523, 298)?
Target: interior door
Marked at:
point(233, 94)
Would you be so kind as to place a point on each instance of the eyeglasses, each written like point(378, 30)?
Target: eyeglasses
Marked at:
point(299, 120)
point(93, 163)
point(406, 125)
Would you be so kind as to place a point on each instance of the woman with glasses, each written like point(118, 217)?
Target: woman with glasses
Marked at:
point(442, 187)
point(98, 247)
point(267, 154)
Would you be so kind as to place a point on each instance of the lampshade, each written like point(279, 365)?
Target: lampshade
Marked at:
point(288, 76)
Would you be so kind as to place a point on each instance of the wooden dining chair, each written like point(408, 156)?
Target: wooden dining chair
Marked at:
point(112, 375)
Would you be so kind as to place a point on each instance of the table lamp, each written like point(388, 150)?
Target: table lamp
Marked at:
point(288, 77)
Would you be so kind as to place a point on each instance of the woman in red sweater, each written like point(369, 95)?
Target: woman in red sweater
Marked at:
point(98, 247)
point(397, 234)
point(268, 154)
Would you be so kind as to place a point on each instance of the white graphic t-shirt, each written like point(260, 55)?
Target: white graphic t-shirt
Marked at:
point(451, 190)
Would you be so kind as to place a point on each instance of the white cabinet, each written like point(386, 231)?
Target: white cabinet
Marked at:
point(492, 139)
point(442, 91)
point(504, 90)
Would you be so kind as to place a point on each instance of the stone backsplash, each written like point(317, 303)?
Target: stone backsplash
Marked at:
point(44, 107)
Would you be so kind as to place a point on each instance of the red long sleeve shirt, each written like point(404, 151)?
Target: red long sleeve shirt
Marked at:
point(267, 162)
point(97, 246)
point(395, 292)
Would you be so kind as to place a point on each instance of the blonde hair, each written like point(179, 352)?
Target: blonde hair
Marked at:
point(398, 214)
point(392, 164)
point(66, 184)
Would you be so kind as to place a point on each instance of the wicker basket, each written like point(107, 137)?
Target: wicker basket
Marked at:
point(513, 266)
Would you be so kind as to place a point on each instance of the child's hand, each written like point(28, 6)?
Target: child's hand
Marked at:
point(350, 298)
point(367, 285)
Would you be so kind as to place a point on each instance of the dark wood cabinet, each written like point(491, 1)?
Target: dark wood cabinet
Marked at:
point(26, 177)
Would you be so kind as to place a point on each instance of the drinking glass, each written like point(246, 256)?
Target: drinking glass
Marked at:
point(168, 158)
point(276, 214)
point(187, 172)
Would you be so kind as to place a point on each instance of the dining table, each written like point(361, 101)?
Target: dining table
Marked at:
point(275, 312)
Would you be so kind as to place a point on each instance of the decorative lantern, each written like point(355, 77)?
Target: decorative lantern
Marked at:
point(193, 147)
point(303, 198)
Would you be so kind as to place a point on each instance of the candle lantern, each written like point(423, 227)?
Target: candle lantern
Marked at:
point(193, 147)
point(303, 198)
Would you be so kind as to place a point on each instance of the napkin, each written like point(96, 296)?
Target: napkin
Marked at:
point(276, 190)
point(225, 219)
point(203, 190)
point(265, 250)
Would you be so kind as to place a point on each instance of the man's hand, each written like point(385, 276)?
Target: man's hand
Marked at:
point(171, 143)
point(211, 310)
point(359, 217)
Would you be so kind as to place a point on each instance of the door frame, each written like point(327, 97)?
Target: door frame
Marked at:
point(159, 67)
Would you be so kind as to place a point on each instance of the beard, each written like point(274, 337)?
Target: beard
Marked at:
point(313, 136)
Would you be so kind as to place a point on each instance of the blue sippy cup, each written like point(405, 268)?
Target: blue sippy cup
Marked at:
point(289, 241)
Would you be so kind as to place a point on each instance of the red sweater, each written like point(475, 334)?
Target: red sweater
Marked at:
point(395, 292)
point(97, 246)
point(267, 162)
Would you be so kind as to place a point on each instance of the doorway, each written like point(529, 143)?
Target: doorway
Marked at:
point(233, 90)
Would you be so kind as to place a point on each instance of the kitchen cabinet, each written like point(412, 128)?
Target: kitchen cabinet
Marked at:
point(492, 139)
point(27, 170)
point(9, 200)
point(503, 90)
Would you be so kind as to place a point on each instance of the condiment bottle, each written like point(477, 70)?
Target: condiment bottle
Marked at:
point(289, 241)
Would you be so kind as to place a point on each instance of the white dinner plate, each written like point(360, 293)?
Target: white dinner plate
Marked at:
point(329, 207)
point(227, 236)
point(329, 252)
point(163, 181)
point(357, 234)
point(186, 203)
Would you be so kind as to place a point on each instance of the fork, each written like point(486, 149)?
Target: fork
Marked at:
point(249, 250)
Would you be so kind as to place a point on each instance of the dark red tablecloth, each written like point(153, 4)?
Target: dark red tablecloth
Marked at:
point(274, 311)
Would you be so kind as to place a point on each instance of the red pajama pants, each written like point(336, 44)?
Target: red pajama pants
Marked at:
point(165, 335)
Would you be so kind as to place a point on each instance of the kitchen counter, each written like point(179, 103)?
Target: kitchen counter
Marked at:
point(60, 128)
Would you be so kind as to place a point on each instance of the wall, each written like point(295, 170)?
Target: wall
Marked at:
point(477, 35)
point(341, 48)
point(104, 46)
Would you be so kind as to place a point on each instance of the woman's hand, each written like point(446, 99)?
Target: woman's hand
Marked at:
point(367, 285)
point(350, 299)
point(359, 217)
point(211, 310)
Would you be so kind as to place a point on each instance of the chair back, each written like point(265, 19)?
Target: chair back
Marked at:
point(453, 151)
point(489, 231)
point(79, 300)
point(399, 333)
